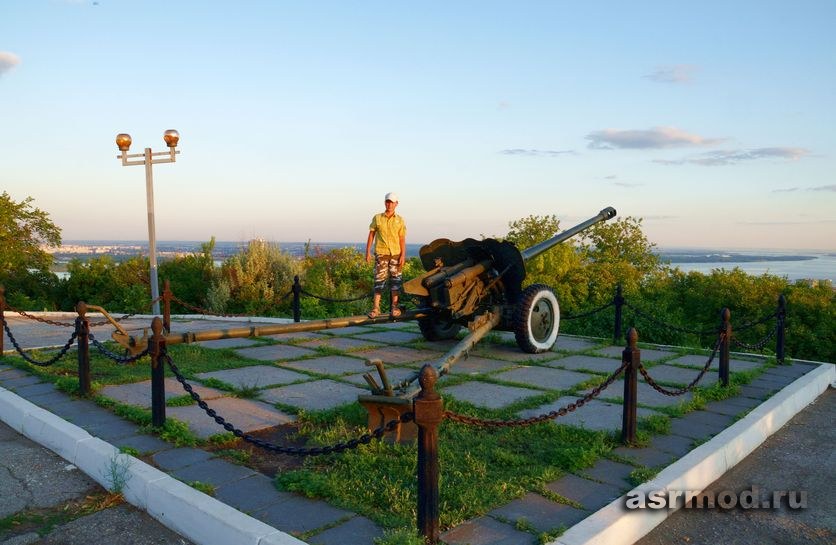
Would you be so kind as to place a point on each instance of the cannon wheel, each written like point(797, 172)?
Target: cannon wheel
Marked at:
point(537, 319)
point(436, 328)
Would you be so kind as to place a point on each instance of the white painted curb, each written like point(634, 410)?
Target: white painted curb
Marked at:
point(198, 517)
point(616, 525)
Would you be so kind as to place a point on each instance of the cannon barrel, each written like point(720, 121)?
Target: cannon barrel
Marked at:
point(529, 253)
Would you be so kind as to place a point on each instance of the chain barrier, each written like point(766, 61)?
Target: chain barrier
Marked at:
point(756, 322)
point(587, 313)
point(33, 361)
point(759, 346)
point(563, 411)
point(674, 393)
point(114, 356)
point(65, 324)
point(291, 451)
point(656, 321)
point(38, 318)
point(201, 310)
point(330, 300)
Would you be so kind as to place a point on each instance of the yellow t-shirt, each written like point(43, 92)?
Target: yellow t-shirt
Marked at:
point(387, 233)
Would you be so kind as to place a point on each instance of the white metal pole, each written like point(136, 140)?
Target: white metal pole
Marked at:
point(152, 240)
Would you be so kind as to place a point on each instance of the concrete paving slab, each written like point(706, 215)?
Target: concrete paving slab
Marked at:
point(587, 363)
point(645, 393)
point(486, 531)
point(395, 375)
point(314, 396)
point(733, 406)
point(35, 390)
point(680, 376)
point(177, 458)
point(246, 415)
point(295, 336)
point(297, 514)
point(139, 393)
point(228, 343)
point(250, 493)
point(757, 393)
point(345, 344)
point(214, 471)
point(594, 415)
point(256, 376)
point(674, 444)
point(10, 373)
point(492, 396)
point(614, 473)
point(710, 418)
point(399, 355)
point(541, 513)
point(15, 384)
point(112, 431)
point(144, 444)
point(355, 531)
point(648, 456)
point(647, 354)
point(476, 365)
point(350, 330)
point(573, 344)
point(275, 352)
point(543, 377)
point(390, 337)
point(591, 494)
point(330, 365)
point(693, 429)
point(512, 353)
point(735, 364)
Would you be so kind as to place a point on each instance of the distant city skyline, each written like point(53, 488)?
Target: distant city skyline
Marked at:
point(712, 121)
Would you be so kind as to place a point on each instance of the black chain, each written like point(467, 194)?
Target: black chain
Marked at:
point(563, 411)
point(758, 345)
point(292, 451)
point(38, 318)
point(656, 321)
point(33, 361)
point(114, 356)
point(587, 313)
point(674, 393)
point(330, 300)
point(757, 322)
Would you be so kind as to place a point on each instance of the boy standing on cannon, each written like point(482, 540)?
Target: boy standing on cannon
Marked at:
point(389, 230)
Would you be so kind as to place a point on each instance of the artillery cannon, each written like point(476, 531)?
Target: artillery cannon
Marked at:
point(467, 279)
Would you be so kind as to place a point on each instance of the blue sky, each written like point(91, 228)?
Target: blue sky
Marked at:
point(713, 121)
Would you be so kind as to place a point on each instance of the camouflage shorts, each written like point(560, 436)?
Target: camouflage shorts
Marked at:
point(387, 266)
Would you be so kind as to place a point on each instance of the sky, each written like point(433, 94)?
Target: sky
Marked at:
point(713, 121)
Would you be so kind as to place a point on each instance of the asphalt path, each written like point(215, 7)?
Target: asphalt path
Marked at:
point(799, 458)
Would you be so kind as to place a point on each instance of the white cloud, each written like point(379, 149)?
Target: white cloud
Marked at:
point(8, 61)
point(731, 157)
point(677, 73)
point(536, 152)
point(655, 138)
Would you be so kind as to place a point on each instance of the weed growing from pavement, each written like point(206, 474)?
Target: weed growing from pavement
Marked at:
point(480, 468)
point(642, 475)
point(206, 488)
point(116, 472)
point(180, 401)
point(43, 521)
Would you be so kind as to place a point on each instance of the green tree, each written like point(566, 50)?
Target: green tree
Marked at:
point(24, 265)
point(190, 276)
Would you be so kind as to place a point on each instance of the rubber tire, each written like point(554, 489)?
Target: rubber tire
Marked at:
point(537, 319)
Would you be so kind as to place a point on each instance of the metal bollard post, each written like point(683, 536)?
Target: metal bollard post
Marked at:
point(428, 408)
point(156, 349)
point(724, 346)
point(297, 293)
point(2, 318)
point(82, 329)
point(781, 325)
point(618, 301)
point(631, 356)
point(167, 306)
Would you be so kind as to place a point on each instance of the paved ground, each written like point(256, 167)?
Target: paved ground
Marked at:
point(799, 458)
point(44, 499)
point(292, 371)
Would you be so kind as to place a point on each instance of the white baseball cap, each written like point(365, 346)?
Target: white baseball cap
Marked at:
point(391, 196)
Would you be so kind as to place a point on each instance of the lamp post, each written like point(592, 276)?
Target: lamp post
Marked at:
point(123, 141)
